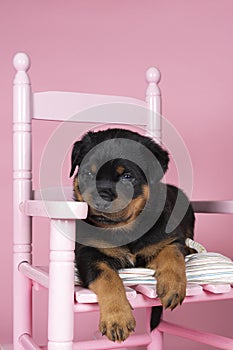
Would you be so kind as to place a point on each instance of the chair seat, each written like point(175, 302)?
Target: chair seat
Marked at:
point(137, 294)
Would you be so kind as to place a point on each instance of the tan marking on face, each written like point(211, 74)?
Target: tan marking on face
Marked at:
point(77, 192)
point(128, 214)
point(93, 168)
point(120, 169)
point(146, 193)
point(137, 204)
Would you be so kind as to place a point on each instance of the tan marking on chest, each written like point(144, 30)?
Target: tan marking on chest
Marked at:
point(120, 253)
point(152, 250)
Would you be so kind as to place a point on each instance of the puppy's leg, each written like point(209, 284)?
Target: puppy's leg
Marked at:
point(170, 273)
point(116, 318)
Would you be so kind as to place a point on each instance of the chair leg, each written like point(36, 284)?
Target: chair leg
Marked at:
point(156, 340)
point(156, 335)
point(61, 285)
point(22, 299)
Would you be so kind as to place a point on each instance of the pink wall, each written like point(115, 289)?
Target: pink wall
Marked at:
point(105, 46)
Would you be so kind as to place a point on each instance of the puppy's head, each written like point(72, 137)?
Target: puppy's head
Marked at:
point(117, 169)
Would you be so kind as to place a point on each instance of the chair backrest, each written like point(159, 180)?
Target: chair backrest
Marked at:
point(74, 107)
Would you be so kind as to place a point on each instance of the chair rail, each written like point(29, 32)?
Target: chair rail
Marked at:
point(213, 207)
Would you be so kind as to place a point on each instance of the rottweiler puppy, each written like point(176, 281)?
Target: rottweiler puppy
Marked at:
point(134, 220)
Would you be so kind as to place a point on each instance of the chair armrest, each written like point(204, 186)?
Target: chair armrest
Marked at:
point(217, 207)
point(78, 210)
point(65, 210)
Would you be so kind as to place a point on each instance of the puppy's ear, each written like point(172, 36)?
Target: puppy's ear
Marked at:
point(162, 156)
point(75, 156)
point(157, 171)
point(80, 148)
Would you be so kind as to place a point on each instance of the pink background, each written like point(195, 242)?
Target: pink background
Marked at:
point(105, 47)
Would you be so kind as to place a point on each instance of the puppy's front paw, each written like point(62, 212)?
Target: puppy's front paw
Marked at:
point(117, 322)
point(171, 288)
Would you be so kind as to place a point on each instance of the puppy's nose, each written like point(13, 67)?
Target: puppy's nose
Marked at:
point(106, 194)
point(104, 201)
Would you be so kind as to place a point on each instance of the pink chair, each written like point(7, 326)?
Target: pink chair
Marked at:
point(63, 213)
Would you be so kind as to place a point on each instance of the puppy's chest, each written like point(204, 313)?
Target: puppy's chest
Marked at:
point(137, 260)
point(127, 258)
point(133, 260)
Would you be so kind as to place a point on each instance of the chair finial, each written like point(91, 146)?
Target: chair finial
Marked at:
point(21, 62)
point(153, 75)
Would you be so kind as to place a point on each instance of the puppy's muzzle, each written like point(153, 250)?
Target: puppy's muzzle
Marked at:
point(101, 204)
point(105, 197)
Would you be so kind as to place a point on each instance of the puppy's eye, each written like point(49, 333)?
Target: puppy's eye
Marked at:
point(87, 173)
point(127, 177)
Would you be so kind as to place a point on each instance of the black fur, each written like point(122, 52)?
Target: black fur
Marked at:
point(88, 257)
